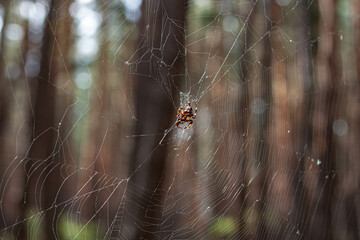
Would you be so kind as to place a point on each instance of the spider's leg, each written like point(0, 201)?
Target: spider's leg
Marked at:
point(190, 123)
point(177, 125)
point(180, 121)
point(194, 116)
point(180, 111)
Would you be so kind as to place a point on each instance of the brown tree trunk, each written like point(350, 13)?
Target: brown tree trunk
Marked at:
point(43, 165)
point(14, 142)
point(300, 70)
point(347, 222)
point(354, 164)
point(4, 84)
point(254, 122)
point(4, 81)
point(158, 62)
point(356, 29)
point(281, 166)
point(4, 105)
point(322, 150)
point(95, 153)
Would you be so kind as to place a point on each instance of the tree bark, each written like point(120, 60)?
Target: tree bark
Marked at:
point(43, 164)
point(326, 85)
point(4, 81)
point(159, 64)
point(4, 104)
point(95, 153)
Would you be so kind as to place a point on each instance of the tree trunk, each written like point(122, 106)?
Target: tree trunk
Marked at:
point(95, 153)
point(4, 81)
point(4, 106)
point(158, 64)
point(323, 111)
point(254, 123)
point(43, 164)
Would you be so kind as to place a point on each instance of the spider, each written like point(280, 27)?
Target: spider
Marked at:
point(186, 116)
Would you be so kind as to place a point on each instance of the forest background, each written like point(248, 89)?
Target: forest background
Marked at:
point(90, 92)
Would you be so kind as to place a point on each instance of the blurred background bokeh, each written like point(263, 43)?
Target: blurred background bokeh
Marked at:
point(90, 91)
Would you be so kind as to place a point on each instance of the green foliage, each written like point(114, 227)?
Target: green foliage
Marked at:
point(34, 226)
point(224, 227)
point(204, 11)
point(70, 229)
point(67, 228)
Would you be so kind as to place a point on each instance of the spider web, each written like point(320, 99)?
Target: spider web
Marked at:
point(271, 154)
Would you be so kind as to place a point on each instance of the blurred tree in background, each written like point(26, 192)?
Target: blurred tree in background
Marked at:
point(90, 91)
